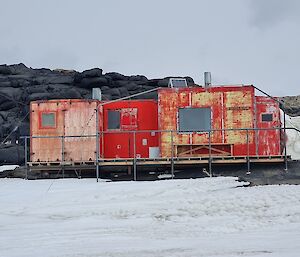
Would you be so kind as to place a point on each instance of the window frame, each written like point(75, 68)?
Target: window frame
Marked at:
point(195, 131)
point(48, 126)
point(115, 111)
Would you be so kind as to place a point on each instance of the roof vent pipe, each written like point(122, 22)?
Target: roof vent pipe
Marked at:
point(207, 79)
point(96, 94)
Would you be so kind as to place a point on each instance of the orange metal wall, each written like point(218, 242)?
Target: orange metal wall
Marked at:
point(137, 115)
point(73, 118)
point(231, 107)
point(268, 141)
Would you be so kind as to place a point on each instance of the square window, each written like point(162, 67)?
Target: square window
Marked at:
point(48, 120)
point(194, 119)
point(267, 117)
point(113, 119)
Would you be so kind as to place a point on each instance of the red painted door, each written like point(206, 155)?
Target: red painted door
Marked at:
point(118, 136)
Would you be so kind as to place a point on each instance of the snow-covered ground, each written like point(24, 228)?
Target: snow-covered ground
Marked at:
point(196, 217)
point(8, 167)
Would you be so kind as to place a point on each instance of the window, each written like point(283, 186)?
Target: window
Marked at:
point(113, 119)
point(48, 120)
point(267, 117)
point(194, 119)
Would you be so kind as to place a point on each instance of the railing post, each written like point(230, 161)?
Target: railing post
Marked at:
point(209, 159)
point(63, 154)
point(26, 157)
point(97, 144)
point(248, 150)
point(284, 139)
point(134, 156)
point(172, 155)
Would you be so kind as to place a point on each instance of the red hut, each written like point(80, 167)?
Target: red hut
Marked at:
point(129, 129)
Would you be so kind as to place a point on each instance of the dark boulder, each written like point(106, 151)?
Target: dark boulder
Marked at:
point(11, 154)
point(106, 97)
point(5, 70)
point(58, 79)
point(5, 84)
point(92, 73)
point(123, 91)
point(153, 82)
point(71, 94)
point(7, 105)
point(115, 92)
point(93, 82)
point(19, 69)
point(116, 76)
point(120, 83)
point(37, 89)
point(138, 78)
point(131, 86)
point(105, 88)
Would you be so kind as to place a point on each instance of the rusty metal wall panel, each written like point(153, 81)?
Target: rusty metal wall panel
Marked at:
point(71, 118)
point(214, 101)
point(80, 120)
point(268, 140)
point(231, 107)
point(45, 149)
point(239, 113)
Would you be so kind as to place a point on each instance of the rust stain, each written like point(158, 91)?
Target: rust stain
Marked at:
point(72, 117)
point(231, 107)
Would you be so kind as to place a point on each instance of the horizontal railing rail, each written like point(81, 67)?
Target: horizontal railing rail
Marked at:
point(100, 135)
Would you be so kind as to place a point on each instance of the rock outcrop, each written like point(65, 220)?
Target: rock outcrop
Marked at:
point(291, 105)
point(19, 85)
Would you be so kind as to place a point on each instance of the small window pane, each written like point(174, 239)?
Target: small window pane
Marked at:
point(113, 120)
point(194, 119)
point(267, 117)
point(48, 119)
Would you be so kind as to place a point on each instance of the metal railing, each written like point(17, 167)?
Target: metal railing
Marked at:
point(209, 139)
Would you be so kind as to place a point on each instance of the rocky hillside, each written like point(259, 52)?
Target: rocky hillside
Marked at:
point(19, 85)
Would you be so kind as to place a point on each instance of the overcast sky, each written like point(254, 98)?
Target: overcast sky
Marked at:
point(239, 41)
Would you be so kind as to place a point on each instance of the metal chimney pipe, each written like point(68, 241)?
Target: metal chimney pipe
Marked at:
point(207, 79)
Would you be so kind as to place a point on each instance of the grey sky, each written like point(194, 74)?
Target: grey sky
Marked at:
point(239, 41)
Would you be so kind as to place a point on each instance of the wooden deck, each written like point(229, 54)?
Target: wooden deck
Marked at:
point(161, 161)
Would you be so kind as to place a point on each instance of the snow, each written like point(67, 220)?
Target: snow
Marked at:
point(197, 217)
point(8, 167)
point(293, 137)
